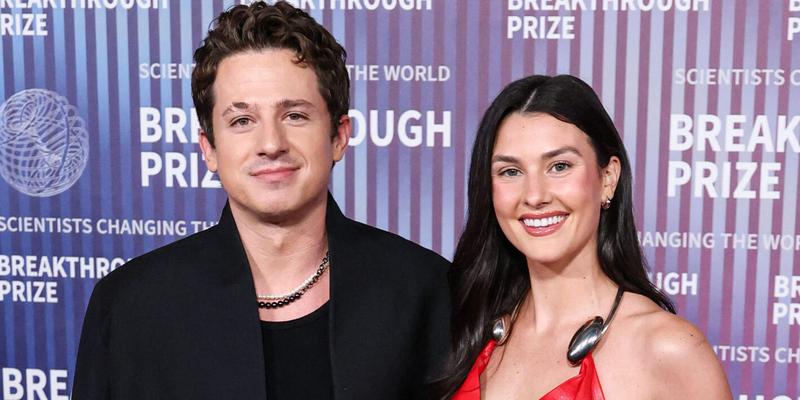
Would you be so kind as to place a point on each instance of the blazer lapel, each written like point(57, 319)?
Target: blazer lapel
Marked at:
point(242, 356)
point(345, 264)
point(354, 308)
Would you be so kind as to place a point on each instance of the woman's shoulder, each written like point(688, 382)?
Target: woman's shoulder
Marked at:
point(675, 353)
point(665, 336)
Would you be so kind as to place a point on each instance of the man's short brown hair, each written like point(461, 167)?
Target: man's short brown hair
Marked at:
point(258, 27)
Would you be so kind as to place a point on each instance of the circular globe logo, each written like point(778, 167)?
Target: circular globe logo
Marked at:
point(43, 143)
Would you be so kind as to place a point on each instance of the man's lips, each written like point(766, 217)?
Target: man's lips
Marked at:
point(543, 224)
point(273, 173)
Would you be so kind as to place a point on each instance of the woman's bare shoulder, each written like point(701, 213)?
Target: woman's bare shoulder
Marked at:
point(664, 333)
point(676, 354)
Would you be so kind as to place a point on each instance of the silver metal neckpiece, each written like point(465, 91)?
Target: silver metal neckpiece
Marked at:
point(501, 329)
point(589, 335)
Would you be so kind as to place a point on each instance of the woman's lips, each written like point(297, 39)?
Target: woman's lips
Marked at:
point(543, 224)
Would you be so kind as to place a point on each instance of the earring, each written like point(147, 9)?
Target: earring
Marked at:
point(606, 204)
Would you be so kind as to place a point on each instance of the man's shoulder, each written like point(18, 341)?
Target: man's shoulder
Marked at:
point(155, 266)
point(392, 250)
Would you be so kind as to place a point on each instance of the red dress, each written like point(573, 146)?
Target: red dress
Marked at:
point(584, 386)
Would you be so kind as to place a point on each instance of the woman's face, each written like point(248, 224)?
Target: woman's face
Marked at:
point(547, 188)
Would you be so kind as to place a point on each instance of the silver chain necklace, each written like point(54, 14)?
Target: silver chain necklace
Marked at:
point(280, 300)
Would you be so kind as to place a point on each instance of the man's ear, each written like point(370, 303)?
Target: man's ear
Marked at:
point(341, 136)
point(610, 176)
point(209, 152)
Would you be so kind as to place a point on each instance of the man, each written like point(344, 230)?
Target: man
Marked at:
point(285, 298)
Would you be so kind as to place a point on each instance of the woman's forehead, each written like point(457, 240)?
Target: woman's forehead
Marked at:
point(539, 133)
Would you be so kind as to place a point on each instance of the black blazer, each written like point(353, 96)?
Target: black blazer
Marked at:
point(181, 322)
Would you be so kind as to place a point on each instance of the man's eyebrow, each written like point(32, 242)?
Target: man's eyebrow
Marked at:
point(291, 103)
point(238, 106)
point(241, 106)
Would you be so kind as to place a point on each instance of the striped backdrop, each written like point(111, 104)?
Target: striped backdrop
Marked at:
point(92, 57)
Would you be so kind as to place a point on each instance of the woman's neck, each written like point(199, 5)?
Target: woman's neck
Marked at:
point(566, 294)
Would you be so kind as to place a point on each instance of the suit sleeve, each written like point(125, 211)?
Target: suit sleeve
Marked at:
point(92, 367)
point(438, 340)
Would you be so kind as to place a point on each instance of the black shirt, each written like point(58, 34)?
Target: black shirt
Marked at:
point(297, 357)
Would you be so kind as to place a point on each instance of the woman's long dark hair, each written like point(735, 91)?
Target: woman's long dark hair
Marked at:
point(489, 276)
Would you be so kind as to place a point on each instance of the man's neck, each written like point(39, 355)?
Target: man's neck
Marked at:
point(289, 247)
point(283, 254)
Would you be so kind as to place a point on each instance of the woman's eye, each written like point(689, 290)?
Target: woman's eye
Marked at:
point(510, 172)
point(560, 166)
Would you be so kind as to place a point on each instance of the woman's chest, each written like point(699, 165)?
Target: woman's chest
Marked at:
point(531, 372)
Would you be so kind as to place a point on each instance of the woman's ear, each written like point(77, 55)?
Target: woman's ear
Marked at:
point(610, 176)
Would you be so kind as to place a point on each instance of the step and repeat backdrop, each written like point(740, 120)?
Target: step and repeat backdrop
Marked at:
point(99, 157)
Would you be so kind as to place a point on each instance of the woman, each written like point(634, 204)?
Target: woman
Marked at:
point(550, 242)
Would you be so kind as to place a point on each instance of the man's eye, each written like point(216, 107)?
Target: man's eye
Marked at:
point(240, 122)
point(296, 117)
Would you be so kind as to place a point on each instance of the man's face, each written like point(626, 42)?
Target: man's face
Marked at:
point(272, 134)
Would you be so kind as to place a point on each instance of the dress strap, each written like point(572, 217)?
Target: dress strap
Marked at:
point(471, 388)
point(584, 386)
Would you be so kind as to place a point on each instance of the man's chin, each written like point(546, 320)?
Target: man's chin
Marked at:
point(280, 208)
